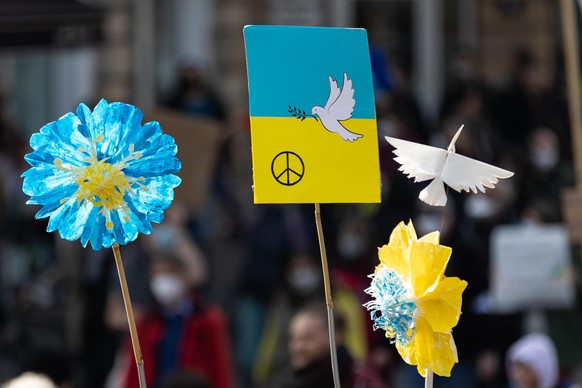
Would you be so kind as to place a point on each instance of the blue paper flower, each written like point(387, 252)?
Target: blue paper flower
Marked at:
point(101, 176)
point(393, 308)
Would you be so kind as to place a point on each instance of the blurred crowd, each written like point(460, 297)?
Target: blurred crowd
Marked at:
point(230, 294)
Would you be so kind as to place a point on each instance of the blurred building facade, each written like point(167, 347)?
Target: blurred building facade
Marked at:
point(139, 44)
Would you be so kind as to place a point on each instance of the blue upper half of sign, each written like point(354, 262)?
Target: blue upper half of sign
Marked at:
point(290, 66)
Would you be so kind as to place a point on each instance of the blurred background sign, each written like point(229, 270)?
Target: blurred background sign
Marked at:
point(531, 268)
point(198, 140)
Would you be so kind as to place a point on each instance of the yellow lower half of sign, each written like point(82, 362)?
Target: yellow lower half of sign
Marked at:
point(300, 161)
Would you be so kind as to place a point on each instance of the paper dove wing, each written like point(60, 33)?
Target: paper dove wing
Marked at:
point(463, 173)
point(343, 106)
point(423, 162)
point(334, 92)
point(418, 161)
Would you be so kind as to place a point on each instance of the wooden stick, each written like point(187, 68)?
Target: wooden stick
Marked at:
point(428, 379)
point(328, 298)
point(130, 318)
point(572, 64)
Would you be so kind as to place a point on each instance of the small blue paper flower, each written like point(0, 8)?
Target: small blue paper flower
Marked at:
point(392, 309)
point(101, 176)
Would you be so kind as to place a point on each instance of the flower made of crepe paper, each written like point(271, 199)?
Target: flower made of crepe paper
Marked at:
point(101, 176)
point(414, 302)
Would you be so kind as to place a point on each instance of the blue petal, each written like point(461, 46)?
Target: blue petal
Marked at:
point(73, 222)
point(61, 217)
point(157, 198)
point(88, 127)
point(91, 224)
point(391, 309)
point(141, 220)
point(39, 181)
point(98, 232)
point(51, 201)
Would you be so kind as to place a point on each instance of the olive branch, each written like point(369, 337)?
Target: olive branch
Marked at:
point(299, 114)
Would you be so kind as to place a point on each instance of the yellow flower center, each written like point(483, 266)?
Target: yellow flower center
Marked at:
point(102, 183)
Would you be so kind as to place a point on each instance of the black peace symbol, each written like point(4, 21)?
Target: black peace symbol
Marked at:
point(285, 174)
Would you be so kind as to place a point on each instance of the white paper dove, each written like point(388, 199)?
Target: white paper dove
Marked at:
point(423, 163)
point(339, 107)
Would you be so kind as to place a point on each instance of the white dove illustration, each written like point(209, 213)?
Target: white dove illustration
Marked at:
point(339, 107)
point(423, 162)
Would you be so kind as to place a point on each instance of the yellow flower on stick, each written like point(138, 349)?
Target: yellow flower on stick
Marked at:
point(414, 302)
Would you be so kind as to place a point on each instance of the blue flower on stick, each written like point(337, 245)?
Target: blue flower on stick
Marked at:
point(101, 176)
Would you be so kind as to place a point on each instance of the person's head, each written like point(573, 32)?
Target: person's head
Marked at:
point(532, 362)
point(543, 150)
point(308, 336)
point(168, 280)
point(30, 380)
point(354, 240)
point(303, 274)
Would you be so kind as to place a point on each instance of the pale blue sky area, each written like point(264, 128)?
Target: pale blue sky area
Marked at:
point(290, 66)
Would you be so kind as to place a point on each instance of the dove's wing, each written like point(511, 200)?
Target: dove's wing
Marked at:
point(418, 161)
point(463, 173)
point(334, 92)
point(343, 106)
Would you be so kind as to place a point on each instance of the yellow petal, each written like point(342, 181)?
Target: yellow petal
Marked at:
point(433, 238)
point(395, 259)
point(395, 255)
point(441, 307)
point(427, 265)
point(401, 236)
point(430, 350)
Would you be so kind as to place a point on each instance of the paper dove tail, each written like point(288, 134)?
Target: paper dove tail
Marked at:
point(434, 194)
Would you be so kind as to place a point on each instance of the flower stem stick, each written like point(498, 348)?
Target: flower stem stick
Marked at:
point(428, 379)
point(328, 298)
point(130, 317)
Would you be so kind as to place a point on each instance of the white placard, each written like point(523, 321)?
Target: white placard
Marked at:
point(531, 268)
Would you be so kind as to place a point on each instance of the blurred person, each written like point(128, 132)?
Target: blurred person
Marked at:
point(464, 68)
point(303, 287)
point(180, 332)
point(545, 175)
point(269, 246)
point(30, 380)
point(173, 237)
point(532, 362)
point(193, 94)
point(309, 352)
point(530, 99)
point(377, 370)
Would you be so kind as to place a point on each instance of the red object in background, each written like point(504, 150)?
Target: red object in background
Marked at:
point(204, 348)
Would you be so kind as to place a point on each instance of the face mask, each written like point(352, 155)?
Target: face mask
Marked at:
point(427, 223)
point(304, 280)
point(351, 246)
point(480, 207)
point(544, 159)
point(167, 289)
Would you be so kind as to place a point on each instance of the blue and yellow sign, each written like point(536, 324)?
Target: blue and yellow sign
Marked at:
point(313, 123)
